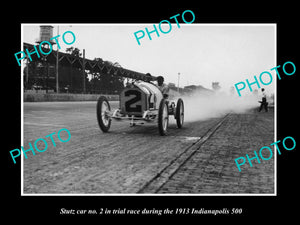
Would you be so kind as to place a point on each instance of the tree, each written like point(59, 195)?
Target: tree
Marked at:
point(74, 51)
point(116, 82)
point(105, 82)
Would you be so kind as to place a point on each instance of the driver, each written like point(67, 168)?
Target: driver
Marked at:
point(163, 87)
point(148, 77)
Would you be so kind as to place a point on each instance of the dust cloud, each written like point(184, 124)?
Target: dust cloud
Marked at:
point(199, 106)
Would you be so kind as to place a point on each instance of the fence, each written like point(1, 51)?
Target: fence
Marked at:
point(51, 97)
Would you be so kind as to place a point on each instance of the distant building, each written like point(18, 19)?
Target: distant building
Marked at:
point(232, 90)
point(216, 86)
point(190, 89)
point(172, 85)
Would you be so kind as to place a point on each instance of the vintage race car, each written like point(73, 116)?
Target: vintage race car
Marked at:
point(141, 102)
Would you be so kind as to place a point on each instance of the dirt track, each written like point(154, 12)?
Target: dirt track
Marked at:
point(125, 160)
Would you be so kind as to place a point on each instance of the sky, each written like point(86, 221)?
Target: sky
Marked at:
point(201, 53)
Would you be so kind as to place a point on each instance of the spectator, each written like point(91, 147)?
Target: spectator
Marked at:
point(263, 102)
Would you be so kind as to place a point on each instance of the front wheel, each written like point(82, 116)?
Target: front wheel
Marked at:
point(163, 117)
point(103, 110)
point(179, 114)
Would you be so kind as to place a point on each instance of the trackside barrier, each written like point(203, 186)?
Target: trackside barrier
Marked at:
point(51, 97)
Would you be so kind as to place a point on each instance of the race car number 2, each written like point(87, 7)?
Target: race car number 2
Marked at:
point(130, 105)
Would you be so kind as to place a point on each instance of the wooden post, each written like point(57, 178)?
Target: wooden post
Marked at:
point(83, 70)
point(178, 83)
point(57, 61)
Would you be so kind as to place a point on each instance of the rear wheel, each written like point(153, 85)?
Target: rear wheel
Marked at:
point(103, 110)
point(163, 117)
point(179, 113)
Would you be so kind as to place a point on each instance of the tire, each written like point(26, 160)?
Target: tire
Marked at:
point(179, 113)
point(103, 107)
point(163, 117)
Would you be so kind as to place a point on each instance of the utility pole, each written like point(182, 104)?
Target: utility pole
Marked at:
point(83, 70)
point(178, 83)
point(57, 84)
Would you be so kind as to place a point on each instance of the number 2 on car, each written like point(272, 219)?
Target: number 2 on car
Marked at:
point(133, 100)
point(130, 103)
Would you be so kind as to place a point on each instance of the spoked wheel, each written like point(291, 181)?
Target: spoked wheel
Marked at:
point(103, 117)
point(163, 117)
point(179, 113)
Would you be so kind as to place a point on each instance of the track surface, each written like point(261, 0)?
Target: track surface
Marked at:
point(194, 159)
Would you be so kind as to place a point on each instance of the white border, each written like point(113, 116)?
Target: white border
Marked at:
point(275, 117)
point(134, 194)
point(22, 115)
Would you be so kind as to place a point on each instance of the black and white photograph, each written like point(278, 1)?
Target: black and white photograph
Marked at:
point(174, 114)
